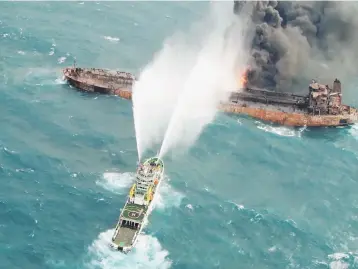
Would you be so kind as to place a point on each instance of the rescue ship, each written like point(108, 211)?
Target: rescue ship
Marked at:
point(139, 204)
point(321, 106)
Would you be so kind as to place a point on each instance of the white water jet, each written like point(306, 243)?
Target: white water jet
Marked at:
point(155, 94)
point(215, 74)
point(178, 93)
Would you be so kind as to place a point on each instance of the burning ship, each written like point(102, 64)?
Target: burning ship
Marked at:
point(321, 106)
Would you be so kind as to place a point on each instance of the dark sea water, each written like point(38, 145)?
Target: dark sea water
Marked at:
point(245, 195)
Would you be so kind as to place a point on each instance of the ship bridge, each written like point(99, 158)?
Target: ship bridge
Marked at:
point(144, 181)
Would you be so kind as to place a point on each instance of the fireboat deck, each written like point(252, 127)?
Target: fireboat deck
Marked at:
point(134, 212)
point(125, 237)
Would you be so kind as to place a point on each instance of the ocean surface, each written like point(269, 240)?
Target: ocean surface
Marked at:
point(245, 195)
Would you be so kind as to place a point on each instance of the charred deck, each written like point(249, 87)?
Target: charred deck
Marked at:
point(320, 107)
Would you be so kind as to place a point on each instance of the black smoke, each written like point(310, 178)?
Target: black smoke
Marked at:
point(297, 41)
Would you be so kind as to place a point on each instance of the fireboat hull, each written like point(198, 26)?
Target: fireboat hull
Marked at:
point(271, 115)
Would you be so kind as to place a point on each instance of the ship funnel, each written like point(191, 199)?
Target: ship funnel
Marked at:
point(337, 86)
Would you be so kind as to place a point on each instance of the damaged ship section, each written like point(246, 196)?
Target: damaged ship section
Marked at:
point(100, 80)
point(321, 106)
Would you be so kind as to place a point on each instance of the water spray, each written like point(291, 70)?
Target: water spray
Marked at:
point(194, 74)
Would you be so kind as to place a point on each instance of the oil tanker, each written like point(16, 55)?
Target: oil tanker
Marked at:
point(320, 107)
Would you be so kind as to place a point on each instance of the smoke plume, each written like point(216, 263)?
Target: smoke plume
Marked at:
point(295, 42)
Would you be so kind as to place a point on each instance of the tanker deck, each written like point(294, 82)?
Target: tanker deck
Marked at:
point(321, 107)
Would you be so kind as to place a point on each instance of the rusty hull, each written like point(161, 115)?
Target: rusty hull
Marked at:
point(100, 81)
point(269, 115)
point(292, 119)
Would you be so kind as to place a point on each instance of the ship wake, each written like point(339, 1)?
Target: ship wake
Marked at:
point(148, 253)
point(40, 76)
point(116, 182)
point(354, 131)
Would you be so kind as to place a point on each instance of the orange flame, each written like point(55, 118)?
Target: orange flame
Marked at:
point(243, 79)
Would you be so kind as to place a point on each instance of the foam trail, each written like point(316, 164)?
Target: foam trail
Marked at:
point(148, 253)
point(211, 79)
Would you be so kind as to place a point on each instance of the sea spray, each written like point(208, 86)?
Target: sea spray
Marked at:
point(214, 75)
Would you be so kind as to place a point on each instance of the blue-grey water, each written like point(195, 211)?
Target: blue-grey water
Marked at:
point(246, 195)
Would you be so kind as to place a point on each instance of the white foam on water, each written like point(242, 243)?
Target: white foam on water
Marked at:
point(61, 60)
point(147, 254)
point(354, 131)
point(338, 261)
point(338, 256)
point(280, 130)
point(112, 39)
point(342, 260)
point(338, 265)
point(238, 206)
point(167, 197)
point(40, 76)
point(60, 81)
point(116, 182)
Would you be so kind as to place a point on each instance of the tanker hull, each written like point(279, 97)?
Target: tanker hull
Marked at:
point(282, 109)
point(291, 118)
point(100, 81)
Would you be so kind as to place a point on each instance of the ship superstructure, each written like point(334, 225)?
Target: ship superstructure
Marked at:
point(322, 106)
point(320, 99)
point(138, 206)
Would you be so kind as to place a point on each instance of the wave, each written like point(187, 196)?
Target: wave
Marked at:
point(148, 253)
point(354, 131)
point(342, 260)
point(112, 39)
point(280, 130)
